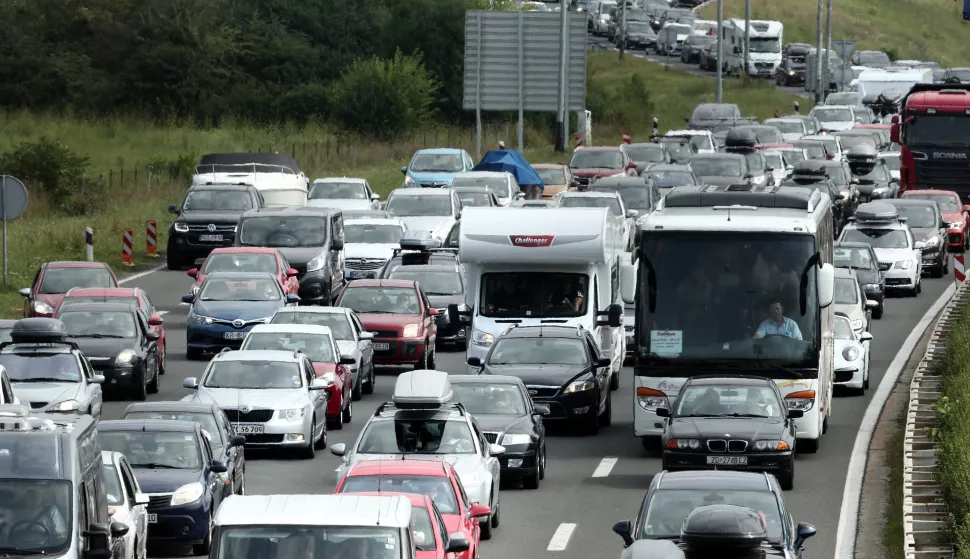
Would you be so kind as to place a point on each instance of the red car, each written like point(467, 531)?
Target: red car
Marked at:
point(954, 211)
point(399, 314)
point(429, 528)
point(433, 478)
point(247, 259)
point(54, 279)
point(588, 163)
point(134, 295)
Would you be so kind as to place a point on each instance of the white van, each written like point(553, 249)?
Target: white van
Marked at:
point(765, 40)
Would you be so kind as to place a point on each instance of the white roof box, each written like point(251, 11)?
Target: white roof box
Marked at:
point(422, 389)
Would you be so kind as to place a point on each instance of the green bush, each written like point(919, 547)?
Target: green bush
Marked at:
point(627, 103)
point(953, 434)
point(384, 98)
point(58, 172)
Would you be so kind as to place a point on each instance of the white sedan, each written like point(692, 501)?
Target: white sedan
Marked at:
point(126, 503)
point(851, 356)
point(622, 220)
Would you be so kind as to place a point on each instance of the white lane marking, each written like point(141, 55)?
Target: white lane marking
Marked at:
point(184, 304)
point(133, 277)
point(560, 539)
point(605, 467)
point(845, 536)
point(162, 313)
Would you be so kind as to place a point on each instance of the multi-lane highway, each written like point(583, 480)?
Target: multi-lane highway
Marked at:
point(591, 482)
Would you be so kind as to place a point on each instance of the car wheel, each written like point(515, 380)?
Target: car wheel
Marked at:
point(193, 354)
point(369, 387)
point(310, 451)
point(919, 285)
point(532, 482)
point(615, 380)
point(355, 393)
point(938, 270)
point(322, 441)
point(807, 446)
point(203, 548)
point(494, 519)
point(486, 529)
point(152, 387)
point(877, 312)
point(542, 463)
point(787, 481)
point(348, 413)
point(606, 419)
point(334, 421)
point(161, 362)
point(241, 490)
point(140, 391)
point(432, 361)
point(423, 362)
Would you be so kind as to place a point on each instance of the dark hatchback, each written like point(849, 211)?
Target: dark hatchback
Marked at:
point(206, 219)
point(174, 465)
point(119, 342)
point(734, 423)
point(929, 231)
point(444, 285)
point(861, 258)
point(507, 416)
point(562, 368)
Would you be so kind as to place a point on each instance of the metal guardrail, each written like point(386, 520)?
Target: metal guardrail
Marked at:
point(924, 512)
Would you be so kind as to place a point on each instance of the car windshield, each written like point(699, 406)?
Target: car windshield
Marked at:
point(947, 202)
point(592, 202)
point(774, 161)
point(436, 163)
point(60, 280)
point(289, 541)
point(284, 232)
point(846, 291)
point(892, 163)
point(112, 486)
point(241, 262)
point(489, 399)
point(853, 140)
point(338, 191)
point(678, 149)
point(256, 289)
point(499, 185)
point(877, 238)
point(338, 323)
point(639, 28)
point(716, 167)
point(756, 162)
point(538, 351)
point(373, 233)
point(42, 505)
point(533, 294)
point(919, 217)
point(670, 179)
point(792, 156)
point(253, 374)
point(403, 205)
point(634, 197)
point(829, 114)
point(318, 347)
point(217, 201)
point(434, 282)
point(816, 150)
point(552, 176)
point(410, 435)
point(646, 154)
point(715, 112)
point(854, 257)
point(471, 199)
point(596, 159)
point(28, 366)
point(764, 44)
point(383, 300)
point(439, 488)
point(99, 324)
point(727, 400)
point(787, 126)
point(843, 329)
point(668, 508)
point(206, 420)
point(68, 301)
point(154, 450)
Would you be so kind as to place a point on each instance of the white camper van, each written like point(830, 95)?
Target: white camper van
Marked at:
point(277, 177)
point(873, 82)
point(520, 263)
point(765, 42)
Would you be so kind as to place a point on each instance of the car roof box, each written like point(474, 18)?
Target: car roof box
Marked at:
point(861, 159)
point(725, 528)
point(38, 331)
point(422, 389)
point(741, 138)
point(653, 549)
point(876, 212)
point(809, 168)
point(420, 241)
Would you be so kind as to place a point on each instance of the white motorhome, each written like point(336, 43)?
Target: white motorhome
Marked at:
point(765, 39)
point(277, 177)
point(521, 262)
point(873, 82)
point(734, 281)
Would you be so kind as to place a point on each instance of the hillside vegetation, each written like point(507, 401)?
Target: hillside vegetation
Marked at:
point(906, 29)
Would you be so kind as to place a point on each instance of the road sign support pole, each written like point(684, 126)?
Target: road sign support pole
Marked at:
point(519, 131)
point(478, 94)
point(719, 82)
point(562, 117)
point(827, 72)
point(3, 212)
point(747, 40)
point(622, 28)
point(818, 59)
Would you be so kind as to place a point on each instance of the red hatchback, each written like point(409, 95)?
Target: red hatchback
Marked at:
point(433, 478)
point(134, 295)
point(590, 163)
point(247, 259)
point(431, 537)
point(955, 213)
point(400, 315)
point(54, 279)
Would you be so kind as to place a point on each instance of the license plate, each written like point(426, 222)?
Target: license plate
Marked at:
point(248, 429)
point(152, 518)
point(210, 238)
point(382, 347)
point(233, 335)
point(727, 460)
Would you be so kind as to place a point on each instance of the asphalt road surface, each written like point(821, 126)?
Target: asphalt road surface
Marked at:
point(572, 505)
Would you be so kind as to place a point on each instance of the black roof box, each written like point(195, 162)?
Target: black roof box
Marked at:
point(653, 549)
point(724, 527)
point(741, 138)
point(38, 331)
point(876, 211)
point(711, 196)
point(861, 159)
point(809, 168)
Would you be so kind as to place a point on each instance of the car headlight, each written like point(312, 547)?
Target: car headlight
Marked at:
point(329, 377)
point(580, 386)
point(187, 494)
point(42, 308)
point(409, 182)
point(199, 319)
point(856, 324)
point(181, 227)
point(411, 330)
point(880, 190)
point(956, 225)
point(513, 439)
point(294, 414)
point(66, 405)
point(903, 265)
point(317, 263)
point(803, 400)
point(125, 357)
point(483, 339)
point(771, 445)
point(850, 353)
point(683, 444)
point(932, 241)
point(791, 72)
point(871, 287)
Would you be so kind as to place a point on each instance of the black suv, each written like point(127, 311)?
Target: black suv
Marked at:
point(206, 219)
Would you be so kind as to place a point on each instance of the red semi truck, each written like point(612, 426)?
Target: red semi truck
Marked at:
point(933, 130)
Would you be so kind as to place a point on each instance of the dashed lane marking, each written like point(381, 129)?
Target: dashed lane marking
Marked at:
point(162, 313)
point(605, 467)
point(560, 539)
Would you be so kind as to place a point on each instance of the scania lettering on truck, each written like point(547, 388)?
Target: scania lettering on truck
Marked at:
point(933, 128)
point(764, 41)
point(534, 266)
point(736, 280)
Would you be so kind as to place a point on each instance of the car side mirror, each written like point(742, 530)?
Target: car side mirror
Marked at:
point(804, 532)
point(480, 511)
point(624, 529)
point(237, 440)
point(632, 214)
point(375, 197)
point(433, 312)
point(188, 298)
point(663, 412)
point(97, 379)
point(156, 320)
point(543, 409)
point(603, 362)
point(98, 538)
point(865, 337)
point(191, 383)
point(474, 362)
point(366, 335)
point(141, 499)
point(218, 467)
point(25, 292)
point(292, 272)
point(338, 449)
point(152, 335)
point(320, 384)
point(118, 529)
point(457, 543)
point(173, 209)
point(966, 208)
point(404, 170)
point(292, 299)
point(192, 272)
point(793, 414)
point(496, 449)
point(347, 359)
point(870, 304)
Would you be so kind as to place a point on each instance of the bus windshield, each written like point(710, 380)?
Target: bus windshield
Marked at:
point(761, 305)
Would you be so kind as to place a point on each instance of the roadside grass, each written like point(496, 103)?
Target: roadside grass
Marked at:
point(894, 538)
point(906, 29)
point(953, 433)
point(122, 150)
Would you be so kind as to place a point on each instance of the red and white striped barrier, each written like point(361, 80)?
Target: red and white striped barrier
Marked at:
point(959, 270)
point(151, 239)
point(127, 242)
point(626, 137)
point(89, 243)
point(579, 141)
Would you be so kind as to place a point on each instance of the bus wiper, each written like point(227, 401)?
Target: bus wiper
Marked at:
point(794, 373)
point(8, 551)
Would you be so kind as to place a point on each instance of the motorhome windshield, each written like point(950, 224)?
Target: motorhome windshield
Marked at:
point(39, 515)
point(765, 44)
point(284, 232)
point(533, 294)
point(943, 131)
point(761, 305)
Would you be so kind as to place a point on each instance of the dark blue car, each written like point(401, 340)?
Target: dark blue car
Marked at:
point(226, 308)
point(173, 464)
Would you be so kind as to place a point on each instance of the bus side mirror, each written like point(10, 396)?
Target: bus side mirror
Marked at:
point(826, 285)
point(894, 131)
point(628, 282)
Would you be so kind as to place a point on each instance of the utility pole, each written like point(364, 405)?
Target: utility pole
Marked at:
point(828, 44)
point(562, 117)
point(623, 28)
point(818, 59)
point(747, 42)
point(719, 91)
